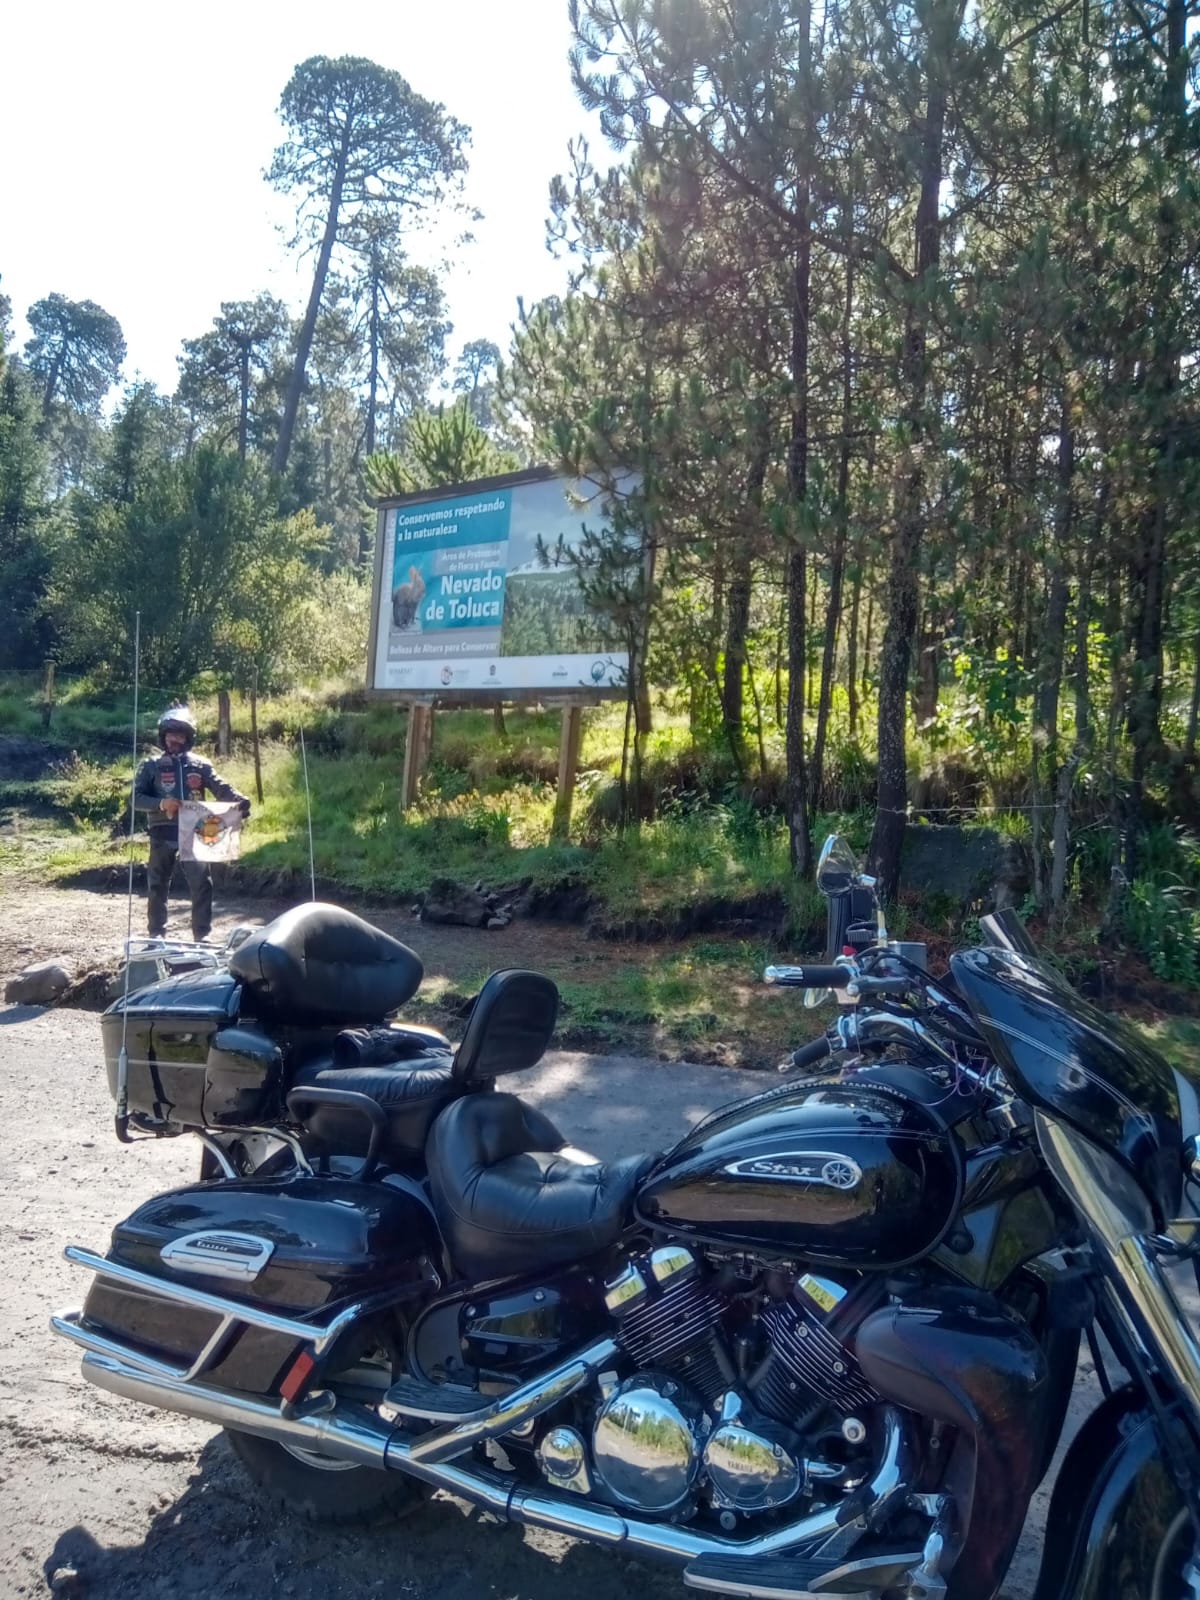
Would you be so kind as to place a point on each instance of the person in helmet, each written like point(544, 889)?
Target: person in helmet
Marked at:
point(162, 782)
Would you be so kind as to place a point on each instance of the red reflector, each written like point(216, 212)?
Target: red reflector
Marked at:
point(301, 1371)
point(847, 949)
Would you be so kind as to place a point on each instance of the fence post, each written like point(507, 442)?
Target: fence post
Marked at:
point(224, 731)
point(258, 788)
point(48, 695)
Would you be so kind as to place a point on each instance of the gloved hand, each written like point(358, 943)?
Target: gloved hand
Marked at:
point(244, 807)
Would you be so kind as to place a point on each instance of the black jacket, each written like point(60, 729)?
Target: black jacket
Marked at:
point(183, 777)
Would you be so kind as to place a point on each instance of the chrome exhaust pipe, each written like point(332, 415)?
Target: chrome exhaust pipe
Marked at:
point(349, 1432)
point(352, 1433)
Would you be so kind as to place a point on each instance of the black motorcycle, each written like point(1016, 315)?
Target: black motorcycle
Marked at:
point(824, 1346)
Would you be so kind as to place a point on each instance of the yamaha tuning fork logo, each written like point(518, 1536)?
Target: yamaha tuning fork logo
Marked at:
point(820, 1167)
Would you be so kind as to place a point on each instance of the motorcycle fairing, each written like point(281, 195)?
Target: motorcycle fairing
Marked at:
point(1067, 1058)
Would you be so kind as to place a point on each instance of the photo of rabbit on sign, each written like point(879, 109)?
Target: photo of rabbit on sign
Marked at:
point(406, 601)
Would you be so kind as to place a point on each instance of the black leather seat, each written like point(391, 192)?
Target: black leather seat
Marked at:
point(318, 965)
point(511, 1197)
point(409, 1093)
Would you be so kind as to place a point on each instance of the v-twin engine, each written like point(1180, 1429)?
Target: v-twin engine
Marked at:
point(730, 1375)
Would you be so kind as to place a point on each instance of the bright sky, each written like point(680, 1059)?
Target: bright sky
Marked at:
point(135, 136)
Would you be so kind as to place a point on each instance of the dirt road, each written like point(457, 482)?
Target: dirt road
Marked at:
point(104, 1499)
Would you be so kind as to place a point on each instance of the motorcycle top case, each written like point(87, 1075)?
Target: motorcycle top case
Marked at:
point(292, 1245)
point(853, 1175)
point(190, 1063)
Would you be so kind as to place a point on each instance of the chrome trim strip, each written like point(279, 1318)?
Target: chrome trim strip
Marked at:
point(1174, 1344)
point(1131, 1264)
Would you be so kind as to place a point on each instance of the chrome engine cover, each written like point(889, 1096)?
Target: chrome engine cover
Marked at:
point(747, 1464)
point(647, 1443)
point(562, 1456)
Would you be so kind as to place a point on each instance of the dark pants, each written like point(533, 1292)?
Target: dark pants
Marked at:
point(163, 855)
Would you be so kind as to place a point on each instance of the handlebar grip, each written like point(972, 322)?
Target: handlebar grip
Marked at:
point(810, 977)
point(808, 1055)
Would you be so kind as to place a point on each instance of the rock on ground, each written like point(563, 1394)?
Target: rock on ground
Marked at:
point(38, 985)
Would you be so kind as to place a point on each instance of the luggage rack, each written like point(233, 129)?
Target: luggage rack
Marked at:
point(207, 953)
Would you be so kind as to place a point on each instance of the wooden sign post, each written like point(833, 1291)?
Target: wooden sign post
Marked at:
point(568, 767)
point(418, 743)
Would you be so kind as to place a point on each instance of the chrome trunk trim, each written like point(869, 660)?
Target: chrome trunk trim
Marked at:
point(319, 1335)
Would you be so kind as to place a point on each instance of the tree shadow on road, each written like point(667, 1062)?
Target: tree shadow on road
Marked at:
point(218, 1540)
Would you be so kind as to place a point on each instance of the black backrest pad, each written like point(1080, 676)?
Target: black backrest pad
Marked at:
point(509, 1028)
point(320, 964)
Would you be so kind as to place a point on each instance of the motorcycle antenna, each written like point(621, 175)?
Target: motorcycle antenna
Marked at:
point(312, 870)
point(122, 1116)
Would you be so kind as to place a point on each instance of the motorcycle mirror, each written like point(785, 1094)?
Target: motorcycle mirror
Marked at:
point(837, 866)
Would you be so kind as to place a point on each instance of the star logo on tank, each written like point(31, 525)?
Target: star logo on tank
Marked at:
point(820, 1167)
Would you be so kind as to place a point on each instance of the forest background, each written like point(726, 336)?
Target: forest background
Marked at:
point(893, 309)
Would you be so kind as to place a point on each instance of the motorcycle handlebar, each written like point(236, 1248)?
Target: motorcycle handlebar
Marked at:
point(810, 977)
point(867, 986)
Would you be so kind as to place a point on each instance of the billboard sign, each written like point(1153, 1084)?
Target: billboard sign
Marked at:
point(476, 592)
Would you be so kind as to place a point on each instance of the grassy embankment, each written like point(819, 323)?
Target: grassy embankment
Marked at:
point(701, 867)
point(485, 814)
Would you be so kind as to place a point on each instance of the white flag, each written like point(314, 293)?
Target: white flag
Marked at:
point(210, 830)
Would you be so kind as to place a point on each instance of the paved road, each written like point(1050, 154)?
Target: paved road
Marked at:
point(140, 1503)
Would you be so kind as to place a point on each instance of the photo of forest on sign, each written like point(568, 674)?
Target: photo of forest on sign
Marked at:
point(546, 615)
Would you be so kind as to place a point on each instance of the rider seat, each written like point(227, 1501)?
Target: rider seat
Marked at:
point(512, 1197)
point(509, 1028)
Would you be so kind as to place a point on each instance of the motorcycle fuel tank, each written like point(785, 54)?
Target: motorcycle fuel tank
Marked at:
point(854, 1175)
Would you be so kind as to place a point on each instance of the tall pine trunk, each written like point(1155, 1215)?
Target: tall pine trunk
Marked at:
point(841, 516)
point(295, 388)
point(800, 843)
point(887, 839)
point(1162, 397)
point(852, 691)
point(373, 358)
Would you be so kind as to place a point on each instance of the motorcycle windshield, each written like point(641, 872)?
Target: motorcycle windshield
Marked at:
point(1093, 1071)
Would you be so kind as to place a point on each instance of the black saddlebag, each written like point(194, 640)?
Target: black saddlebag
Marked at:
point(300, 1247)
point(190, 1062)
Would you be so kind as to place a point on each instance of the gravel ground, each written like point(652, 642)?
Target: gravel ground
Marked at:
point(105, 1499)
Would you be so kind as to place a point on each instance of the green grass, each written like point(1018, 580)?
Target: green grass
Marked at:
point(1179, 1040)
